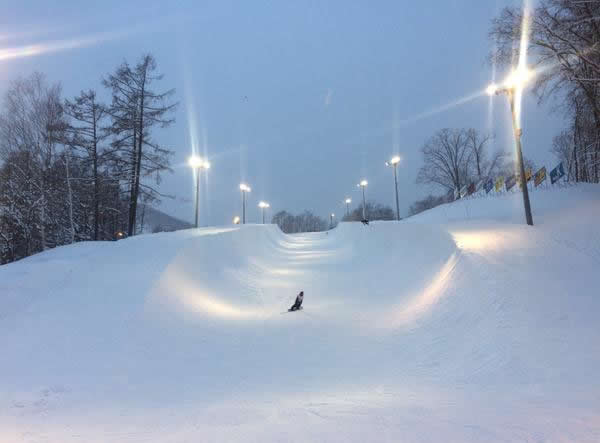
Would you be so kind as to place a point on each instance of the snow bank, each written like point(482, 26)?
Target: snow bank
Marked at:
point(547, 203)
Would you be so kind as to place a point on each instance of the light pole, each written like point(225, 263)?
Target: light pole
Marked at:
point(263, 205)
point(348, 201)
point(363, 184)
point(331, 216)
point(394, 163)
point(515, 82)
point(244, 188)
point(197, 164)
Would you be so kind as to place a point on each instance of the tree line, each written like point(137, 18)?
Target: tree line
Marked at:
point(308, 222)
point(373, 211)
point(75, 169)
point(303, 222)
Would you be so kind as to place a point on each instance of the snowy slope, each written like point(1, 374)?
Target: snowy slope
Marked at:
point(449, 326)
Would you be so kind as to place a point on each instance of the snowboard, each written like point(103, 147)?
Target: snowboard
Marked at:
point(299, 309)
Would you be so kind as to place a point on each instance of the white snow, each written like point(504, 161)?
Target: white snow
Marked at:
point(460, 324)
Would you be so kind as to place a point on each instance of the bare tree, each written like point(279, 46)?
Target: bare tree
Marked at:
point(478, 143)
point(446, 157)
point(134, 111)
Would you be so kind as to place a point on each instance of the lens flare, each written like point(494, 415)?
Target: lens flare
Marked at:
point(58, 45)
point(492, 89)
point(198, 162)
point(442, 108)
point(394, 160)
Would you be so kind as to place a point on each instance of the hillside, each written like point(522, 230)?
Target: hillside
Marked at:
point(459, 324)
point(153, 220)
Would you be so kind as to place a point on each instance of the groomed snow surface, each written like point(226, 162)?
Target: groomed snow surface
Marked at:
point(460, 324)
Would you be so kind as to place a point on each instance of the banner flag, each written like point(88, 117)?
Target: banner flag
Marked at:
point(510, 181)
point(540, 176)
point(488, 186)
point(451, 195)
point(557, 173)
point(499, 183)
point(527, 177)
point(471, 189)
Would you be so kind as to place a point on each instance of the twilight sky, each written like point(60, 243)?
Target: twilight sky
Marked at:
point(299, 99)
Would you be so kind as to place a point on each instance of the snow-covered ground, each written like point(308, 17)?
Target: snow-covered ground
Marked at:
point(460, 324)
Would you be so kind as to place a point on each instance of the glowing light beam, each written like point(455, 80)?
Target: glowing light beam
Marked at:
point(522, 65)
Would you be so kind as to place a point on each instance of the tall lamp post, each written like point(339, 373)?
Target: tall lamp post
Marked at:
point(363, 184)
point(348, 201)
point(197, 164)
point(513, 85)
point(245, 189)
point(394, 163)
point(263, 205)
point(331, 217)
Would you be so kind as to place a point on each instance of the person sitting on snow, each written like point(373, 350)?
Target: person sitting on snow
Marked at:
point(298, 303)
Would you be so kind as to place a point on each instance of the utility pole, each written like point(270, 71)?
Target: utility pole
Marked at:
point(363, 184)
point(263, 205)
point(516, 81)
point(244, 188)
point(197, 165)
point(197, 197)
point(394, 164)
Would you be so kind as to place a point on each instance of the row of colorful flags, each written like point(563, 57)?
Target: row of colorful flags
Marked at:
point(509, 182)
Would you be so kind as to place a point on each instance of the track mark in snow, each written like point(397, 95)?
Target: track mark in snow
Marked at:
point(408, 313)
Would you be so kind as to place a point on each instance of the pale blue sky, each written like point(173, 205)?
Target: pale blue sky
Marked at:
point(333, 89)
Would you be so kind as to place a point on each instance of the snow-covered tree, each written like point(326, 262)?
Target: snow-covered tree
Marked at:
point(84, 133)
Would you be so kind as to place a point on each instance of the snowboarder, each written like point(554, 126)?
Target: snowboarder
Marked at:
point(298, 303)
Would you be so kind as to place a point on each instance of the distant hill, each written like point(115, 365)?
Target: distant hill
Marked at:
point(152, 220)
